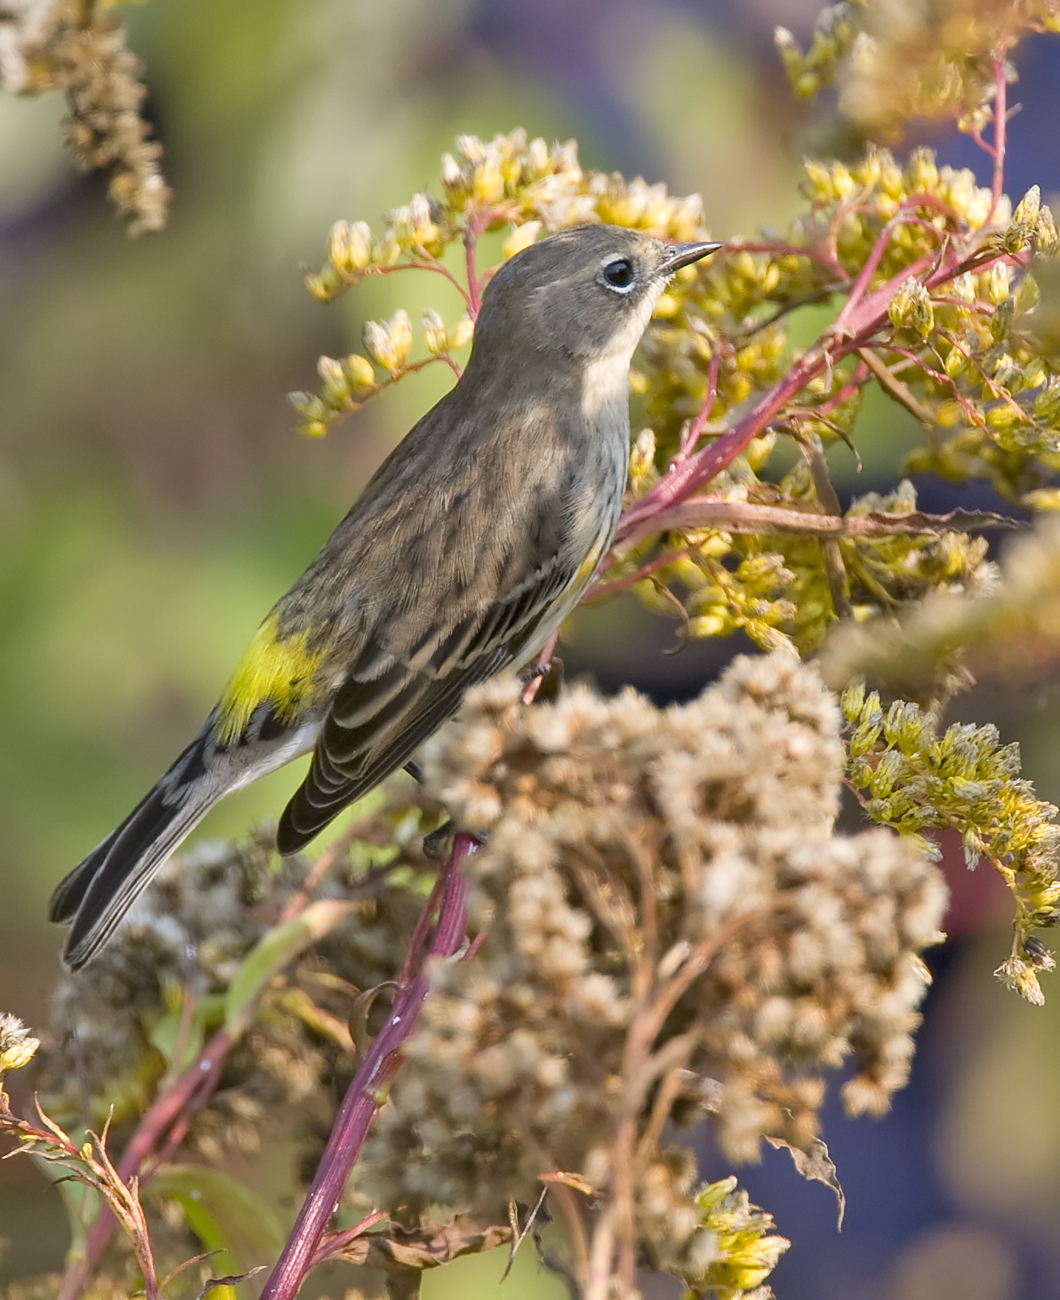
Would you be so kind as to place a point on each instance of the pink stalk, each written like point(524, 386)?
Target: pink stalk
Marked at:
point(677, 486)
point(364, 1096)
point(476, 223)
point(335, 1242)
point(193, 1086)
point(694, 431)
point(1000, 124)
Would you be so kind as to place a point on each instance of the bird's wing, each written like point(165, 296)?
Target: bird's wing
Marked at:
point(377, 721)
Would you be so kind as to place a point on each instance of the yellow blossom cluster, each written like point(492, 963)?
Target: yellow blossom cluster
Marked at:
point(897, 60)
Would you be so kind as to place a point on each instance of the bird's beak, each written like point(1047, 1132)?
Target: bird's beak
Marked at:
point(685, 254)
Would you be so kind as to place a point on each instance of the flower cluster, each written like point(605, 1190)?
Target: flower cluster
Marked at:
point(959, 353)
point(897, 60)
point(78, 46)
point(662, 900)
point(964, 780)
point(508, 181)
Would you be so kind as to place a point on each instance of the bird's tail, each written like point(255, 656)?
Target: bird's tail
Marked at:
point(102, 888)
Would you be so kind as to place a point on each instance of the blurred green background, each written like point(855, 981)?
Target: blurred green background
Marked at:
point(154, 503)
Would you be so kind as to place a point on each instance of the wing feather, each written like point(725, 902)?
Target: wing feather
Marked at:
point(375, 726)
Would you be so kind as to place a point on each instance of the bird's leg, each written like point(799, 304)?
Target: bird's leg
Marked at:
point(545, 678)
point(415, 770)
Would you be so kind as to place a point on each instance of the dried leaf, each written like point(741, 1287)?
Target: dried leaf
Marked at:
point(817, 1166)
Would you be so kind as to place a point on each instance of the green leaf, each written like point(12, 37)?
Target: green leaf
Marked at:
point(273, 951)
point(224, 1214)
point(207, 1013)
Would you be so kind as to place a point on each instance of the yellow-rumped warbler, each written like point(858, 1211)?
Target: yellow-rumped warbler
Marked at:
point(473, 541)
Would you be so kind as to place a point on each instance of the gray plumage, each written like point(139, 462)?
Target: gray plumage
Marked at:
point(470, 545)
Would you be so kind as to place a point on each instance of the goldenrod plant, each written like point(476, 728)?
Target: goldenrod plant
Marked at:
point(490, 1030)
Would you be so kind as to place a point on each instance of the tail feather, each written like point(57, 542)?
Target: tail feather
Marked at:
point(102, 888)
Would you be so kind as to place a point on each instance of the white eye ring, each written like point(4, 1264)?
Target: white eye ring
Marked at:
point(617, 274)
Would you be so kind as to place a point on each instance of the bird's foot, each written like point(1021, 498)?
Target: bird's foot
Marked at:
point(438, 844)
point(542, 682)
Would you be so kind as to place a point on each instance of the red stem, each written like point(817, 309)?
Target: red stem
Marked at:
point(695, 430)
point(198, 1079)
point(335, 1242)
point(904, 214)
point(1000, 116)
point(364, 1096)
point(601, 590)
point(475, 226)
point(858, 327)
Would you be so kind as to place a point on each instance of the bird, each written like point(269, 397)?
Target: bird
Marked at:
point(467, 549)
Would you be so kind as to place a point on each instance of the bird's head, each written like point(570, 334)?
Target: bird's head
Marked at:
point(581, 296)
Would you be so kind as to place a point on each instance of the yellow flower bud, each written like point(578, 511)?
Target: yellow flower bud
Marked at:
point(921, 173)
point(1042, 499)
point(1028, 207)
point(349, 246)
point(461, 333)
point(642, 458)
point(389, 341)
point(386, 252)
point(336, 385)
point(536, 164)
point(470, 148)
point(359, 373)
point(819, 181)
point(308, 406)
point(1045, 233)
point(521, 237)
point(1003, 416)
point(997, 283)
point(1047, 406)
point(434, 333)
point(1028, 294)
point(1034, 373)
point(17, 1053)
point(452, 174)
point(488, 185)
point(911, 308)
point(949, 414)
point(318, 286)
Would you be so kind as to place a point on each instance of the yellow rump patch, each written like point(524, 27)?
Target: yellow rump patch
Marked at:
point(273, 671)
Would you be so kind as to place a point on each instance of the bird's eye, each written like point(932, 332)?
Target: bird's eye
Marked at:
point(618, 274)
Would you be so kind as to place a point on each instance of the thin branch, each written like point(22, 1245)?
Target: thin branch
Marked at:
point(750, 518)
point(602, 590)
point(835, 569)
point(894, 387)
point(335, 1242)
point(785, 309)
point(694, 431)
point(325, 860)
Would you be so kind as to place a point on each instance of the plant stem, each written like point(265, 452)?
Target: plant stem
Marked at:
point(364, 1096)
